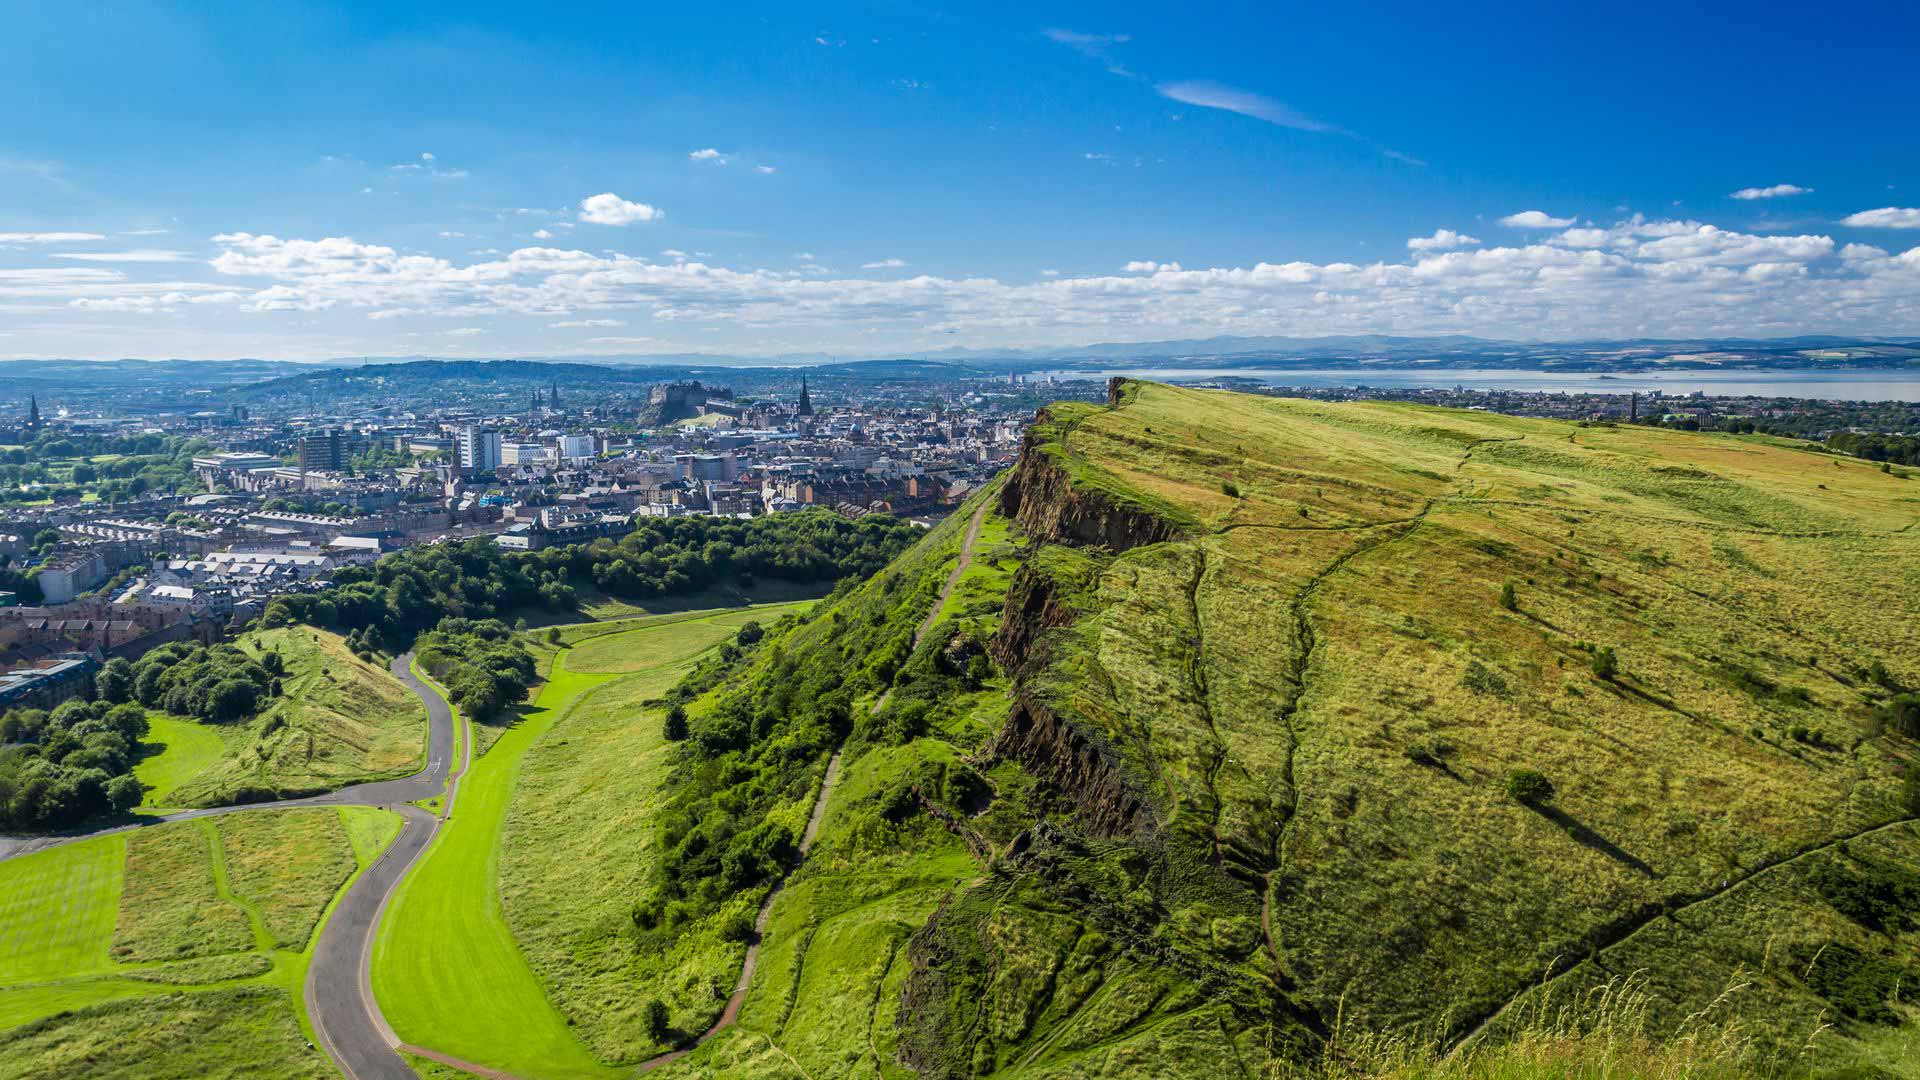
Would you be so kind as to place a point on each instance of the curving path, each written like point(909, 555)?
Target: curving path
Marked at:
point(339, 996)
point(760, 922)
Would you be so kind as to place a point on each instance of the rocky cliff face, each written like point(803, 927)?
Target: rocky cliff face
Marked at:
point(1041, 497)
point(1106, 801)
point(1076, 762)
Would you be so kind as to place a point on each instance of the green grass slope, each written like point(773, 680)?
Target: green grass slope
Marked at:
point(1238, 788)
point(341, 721)
point(1305, 698)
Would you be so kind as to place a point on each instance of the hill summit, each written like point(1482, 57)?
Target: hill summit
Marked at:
point(1307, 726)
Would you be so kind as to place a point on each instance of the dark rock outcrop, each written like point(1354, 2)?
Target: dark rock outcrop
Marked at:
point(1040, 496)
point(1105, 799)
point(1033, 606)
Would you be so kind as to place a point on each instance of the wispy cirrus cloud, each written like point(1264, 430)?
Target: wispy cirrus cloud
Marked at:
point(1092, 46)
point(1212, 95)
point(140, 255)
point(48, 237)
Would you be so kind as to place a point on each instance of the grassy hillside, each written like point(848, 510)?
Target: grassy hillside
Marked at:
point(341, 721)
point(112, 947)
point(1312, 724)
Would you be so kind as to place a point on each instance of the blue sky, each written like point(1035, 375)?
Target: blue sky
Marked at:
point(309, 182)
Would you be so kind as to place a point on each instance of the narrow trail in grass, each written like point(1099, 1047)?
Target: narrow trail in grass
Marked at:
point(1625, 931)
point(765, 917)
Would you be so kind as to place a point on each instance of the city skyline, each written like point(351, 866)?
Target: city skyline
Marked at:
point(343, 181)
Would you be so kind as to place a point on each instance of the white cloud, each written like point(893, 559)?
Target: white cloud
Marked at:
point(610, 209)
point(765, 170)
point(141, 255)
point(571, 324)
point(48, 237)
point(1636, 277)
point(146, 232)
point(1050, 272)
point(542, 234)
point(1442, 240)
point(426, 156)
point(451, 235)
point(1773, 191)
point(1213, 95)
point(673, 253)
point(1887, 217)
point(804, 256)
point(1535, 219)
point(709, 154)
point(464, 331)
point(416, 168)
point(625, 341)
point(884, 264)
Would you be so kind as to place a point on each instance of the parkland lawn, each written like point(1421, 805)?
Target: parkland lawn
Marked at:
point(207, 924)
point(532, 821)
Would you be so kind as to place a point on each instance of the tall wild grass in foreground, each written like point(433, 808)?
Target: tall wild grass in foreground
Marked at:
point(1603, 1033)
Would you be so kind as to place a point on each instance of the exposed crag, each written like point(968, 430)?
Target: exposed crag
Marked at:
point(1042, 498)
point(1106, 801)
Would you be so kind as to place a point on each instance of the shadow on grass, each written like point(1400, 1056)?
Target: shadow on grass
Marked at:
point(1582, 835)
point(597, 606)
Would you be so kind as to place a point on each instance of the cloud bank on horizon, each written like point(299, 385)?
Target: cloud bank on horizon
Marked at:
point(1554, 279)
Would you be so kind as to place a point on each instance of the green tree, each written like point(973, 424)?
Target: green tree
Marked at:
point(124, 792)
point(115, 681)
point(675, 728)
point(1529, 787)
point(1605, 664)
point(658, 1020)
point(1507, 598)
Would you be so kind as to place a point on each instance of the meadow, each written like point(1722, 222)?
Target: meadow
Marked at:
point(476, 957)
point(1607, 700)
point(110, 947)
point(341, 721)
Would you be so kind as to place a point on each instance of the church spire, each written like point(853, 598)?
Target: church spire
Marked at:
point(33, 412)
point(806, 400)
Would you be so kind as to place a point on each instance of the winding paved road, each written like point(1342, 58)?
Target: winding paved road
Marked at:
point(339, 993)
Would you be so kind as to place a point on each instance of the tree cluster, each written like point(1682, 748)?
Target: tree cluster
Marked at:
point(1898, 449)
point(482, 663)
point(70, 764)
point(408, 592)
point(215, 684)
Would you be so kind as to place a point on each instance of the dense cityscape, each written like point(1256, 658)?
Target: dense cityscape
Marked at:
point(125, 532)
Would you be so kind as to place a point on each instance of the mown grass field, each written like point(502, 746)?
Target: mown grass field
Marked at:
point(235, 1032)
point(446, 970)
point(340, 721)
point(148, 934)
point(578, 838)
point(575, 772)
point(179, 750)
